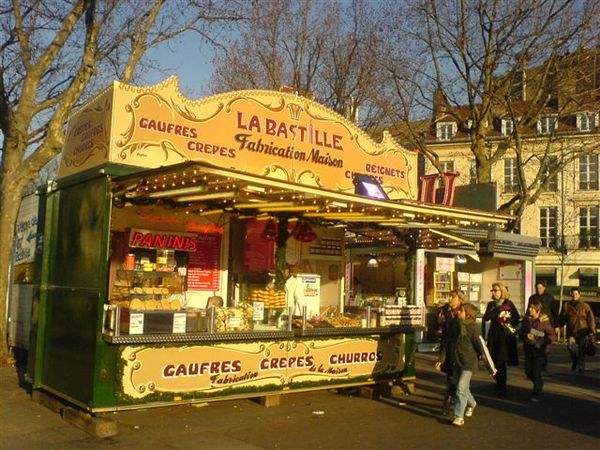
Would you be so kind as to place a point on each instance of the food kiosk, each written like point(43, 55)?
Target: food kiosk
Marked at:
point(200, 250)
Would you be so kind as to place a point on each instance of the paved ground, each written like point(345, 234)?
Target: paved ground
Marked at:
point(568, 417)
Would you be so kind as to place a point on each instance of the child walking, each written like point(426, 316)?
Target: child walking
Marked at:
point(448, 331)
point(537, 333)
point(469, 346)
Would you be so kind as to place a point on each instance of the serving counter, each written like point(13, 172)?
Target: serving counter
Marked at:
point(156, 369)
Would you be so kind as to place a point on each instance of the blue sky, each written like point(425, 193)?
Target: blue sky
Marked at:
point(189, 59)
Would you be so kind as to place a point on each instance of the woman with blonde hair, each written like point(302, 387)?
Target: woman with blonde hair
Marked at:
point(502, 335)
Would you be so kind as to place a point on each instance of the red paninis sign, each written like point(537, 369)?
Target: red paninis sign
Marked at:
point(161, 239)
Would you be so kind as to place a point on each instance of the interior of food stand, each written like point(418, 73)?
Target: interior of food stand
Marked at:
point(312, 231)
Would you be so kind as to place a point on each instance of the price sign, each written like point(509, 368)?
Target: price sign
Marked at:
point(259, 310)
point(234, 322)
point(179, 322)
point(203, 271)
point(136, 323)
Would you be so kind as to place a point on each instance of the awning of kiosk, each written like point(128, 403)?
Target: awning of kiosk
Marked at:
point(205, 190)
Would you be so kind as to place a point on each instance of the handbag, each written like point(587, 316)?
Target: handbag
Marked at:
point(590, 347)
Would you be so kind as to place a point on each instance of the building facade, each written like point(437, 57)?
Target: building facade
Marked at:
point(561, 144)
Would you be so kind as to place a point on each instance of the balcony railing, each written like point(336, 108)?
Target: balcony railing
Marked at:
point(572, 242)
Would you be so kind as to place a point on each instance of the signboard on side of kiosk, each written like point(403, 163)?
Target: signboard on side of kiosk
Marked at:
point(220, 370)
point(267, 133)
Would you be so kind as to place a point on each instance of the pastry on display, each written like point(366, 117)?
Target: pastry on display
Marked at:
point(272, 298)
point(136, 303)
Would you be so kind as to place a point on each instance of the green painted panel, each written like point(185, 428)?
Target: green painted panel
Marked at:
point(73, 288)
point(69, 355)
point(77, 254)
point(106, 377)
point(410, 351)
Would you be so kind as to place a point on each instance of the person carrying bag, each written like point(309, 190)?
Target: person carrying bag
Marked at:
point(580, 322)
point(537, 333)
point(502, 336)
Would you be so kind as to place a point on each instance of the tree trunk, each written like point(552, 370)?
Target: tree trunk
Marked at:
point(10, 195)
point(484, 170)
point(483, 166)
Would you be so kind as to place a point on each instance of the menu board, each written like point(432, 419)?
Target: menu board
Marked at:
point(259, 254)
point(203, 264)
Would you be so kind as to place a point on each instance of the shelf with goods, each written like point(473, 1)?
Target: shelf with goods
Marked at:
point(442, 285)
point(147, 290)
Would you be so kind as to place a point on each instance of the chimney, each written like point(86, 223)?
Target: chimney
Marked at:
point(440, 103)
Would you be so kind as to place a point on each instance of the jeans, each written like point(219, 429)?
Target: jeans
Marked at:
point(534, 365)
point(464, 397)
point(576, 347)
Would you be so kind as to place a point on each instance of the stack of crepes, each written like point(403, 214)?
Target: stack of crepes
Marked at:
point(272, 298)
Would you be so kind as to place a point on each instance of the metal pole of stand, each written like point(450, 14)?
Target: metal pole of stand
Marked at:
point(369, 316)
point(211, 319)
point(117, 321)
point(303, 317)
point(290, 312)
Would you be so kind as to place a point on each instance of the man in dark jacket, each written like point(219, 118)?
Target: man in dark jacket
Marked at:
point(549, 304)
point(581, 326)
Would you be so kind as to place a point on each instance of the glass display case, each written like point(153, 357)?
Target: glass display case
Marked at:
point(148, 290)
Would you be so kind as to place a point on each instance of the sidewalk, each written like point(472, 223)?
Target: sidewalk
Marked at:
point(567, 417)
point(558, 379)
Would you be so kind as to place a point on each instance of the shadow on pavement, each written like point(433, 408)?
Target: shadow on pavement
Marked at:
point(563, 405)
point(20, 365)
point(424, 408)
point(568, 412)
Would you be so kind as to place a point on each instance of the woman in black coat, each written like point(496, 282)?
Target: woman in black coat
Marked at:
point(502, 336)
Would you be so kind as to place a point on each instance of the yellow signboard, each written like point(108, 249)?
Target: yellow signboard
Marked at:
point(213, 369)
point(87, 142)
point(268, 133)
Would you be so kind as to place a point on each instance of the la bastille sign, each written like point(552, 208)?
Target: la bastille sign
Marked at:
point(266, 133)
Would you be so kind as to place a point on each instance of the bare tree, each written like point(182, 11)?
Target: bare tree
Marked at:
point(54, 55)
point(469, 59)
point(321, 48)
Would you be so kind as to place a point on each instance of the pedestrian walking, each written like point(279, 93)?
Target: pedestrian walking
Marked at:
point(537, 333)
point(581, 325)
point(549, 308)
point(548, 302)
point(448, 327)
point(502, 335)
point(469, 345)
